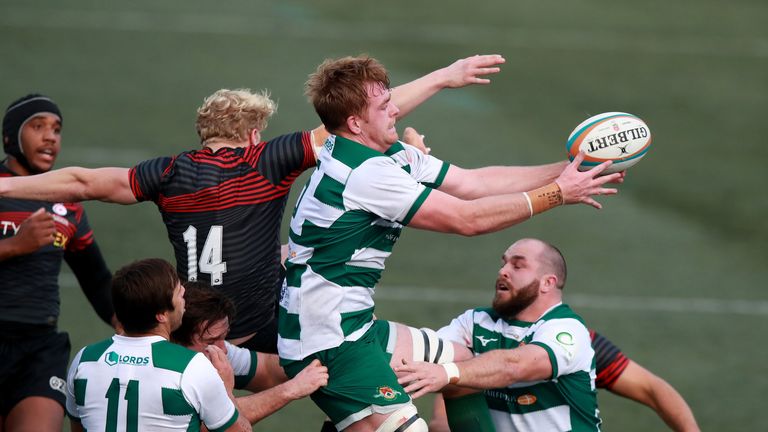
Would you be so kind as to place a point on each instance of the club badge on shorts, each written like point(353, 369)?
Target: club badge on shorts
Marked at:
point(387, 393)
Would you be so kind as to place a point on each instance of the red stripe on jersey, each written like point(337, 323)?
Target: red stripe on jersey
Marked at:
point(249, 183)
point(170, 164)
point(309, 151)
point(228, 159)
point(253, 153)
point(135, 187)
point(80, 243)
point(219, 160)
point(608, 376)
point(15, 216)
point(227, 194)
point(75, 208)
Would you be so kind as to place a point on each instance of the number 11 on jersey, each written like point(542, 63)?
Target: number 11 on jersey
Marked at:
point(210, 257)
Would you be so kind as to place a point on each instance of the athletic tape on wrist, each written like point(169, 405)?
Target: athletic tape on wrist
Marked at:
point(452, 371)
point(530, 206)
point(545, 197)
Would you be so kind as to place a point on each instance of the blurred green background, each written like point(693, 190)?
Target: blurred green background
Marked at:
point(673, 269)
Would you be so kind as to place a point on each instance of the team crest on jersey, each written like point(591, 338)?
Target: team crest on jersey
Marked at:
point(57, 384)
point(526, 399)
point(387, 393)
point(59, 209)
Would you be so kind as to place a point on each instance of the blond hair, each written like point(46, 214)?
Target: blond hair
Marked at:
point(231, 114)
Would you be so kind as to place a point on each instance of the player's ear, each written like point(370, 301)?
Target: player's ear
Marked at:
point(353, 125)
point(254, 136)
point(548, 283)
point(161, 317)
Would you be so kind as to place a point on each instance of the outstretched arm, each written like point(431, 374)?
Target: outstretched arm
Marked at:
point(443, 212)
point(407, 97)
point(497, 180)
point(641, 385)
point(460, 73)
point(71, 185)
point(493, 369)
point(257, 406)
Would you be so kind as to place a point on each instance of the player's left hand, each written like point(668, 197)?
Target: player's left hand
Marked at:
point(219, 360)
point(470, 70)
point(420, 378)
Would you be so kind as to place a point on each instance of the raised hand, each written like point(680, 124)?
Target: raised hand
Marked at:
point(579, 186)
point(470, 70)
point(219, 361)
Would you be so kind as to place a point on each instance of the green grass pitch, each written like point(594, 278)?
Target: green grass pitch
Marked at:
point(672, 269)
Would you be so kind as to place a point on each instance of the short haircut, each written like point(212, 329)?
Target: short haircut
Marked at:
point(141, 290)
point(553, 260)
point(232, 114)
point(337, 89)
point(203, 307)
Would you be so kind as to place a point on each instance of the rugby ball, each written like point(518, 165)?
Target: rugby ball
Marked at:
point(612, 136)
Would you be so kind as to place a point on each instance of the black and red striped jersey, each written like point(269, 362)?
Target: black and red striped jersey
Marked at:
point(29, 284)
point(223, 212)
point(610, 362)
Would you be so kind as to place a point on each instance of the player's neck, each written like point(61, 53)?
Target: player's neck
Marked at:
point(216, 144)
point(535, 311)
point(360, 139)
point(160, 330)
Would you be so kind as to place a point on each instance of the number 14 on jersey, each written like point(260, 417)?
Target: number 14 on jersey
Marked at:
point(210, 257)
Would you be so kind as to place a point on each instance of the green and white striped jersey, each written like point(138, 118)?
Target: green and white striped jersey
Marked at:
point(146, 384)
point(347, 219)
point(243, 362)
point(565, 402)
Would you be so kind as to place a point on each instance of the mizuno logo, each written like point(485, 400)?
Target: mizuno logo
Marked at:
point(484, 341)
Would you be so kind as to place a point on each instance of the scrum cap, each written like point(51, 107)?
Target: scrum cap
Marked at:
point(17, 114)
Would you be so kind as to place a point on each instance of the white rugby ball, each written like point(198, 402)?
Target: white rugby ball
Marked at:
point(612, 136)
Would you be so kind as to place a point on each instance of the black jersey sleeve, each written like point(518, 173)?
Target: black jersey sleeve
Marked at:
point(610, 362)
point(94, 278)
point(285, 157)
point(146, 178)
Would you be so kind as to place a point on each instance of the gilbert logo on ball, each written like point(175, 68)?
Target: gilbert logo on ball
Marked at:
point(613, 136)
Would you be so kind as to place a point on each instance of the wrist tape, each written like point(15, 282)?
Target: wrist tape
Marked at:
point(544, 198)
point(452, 371)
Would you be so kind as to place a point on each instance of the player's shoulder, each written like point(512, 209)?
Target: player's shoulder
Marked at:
point(234, 350)
point(171, 356)
point(563, 311)
point(481, 313)
point(94, 351)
